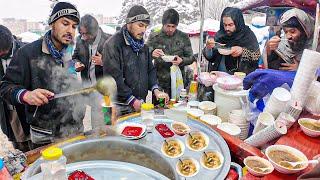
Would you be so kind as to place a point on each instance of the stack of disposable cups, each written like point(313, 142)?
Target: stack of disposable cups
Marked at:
point(277, 102)
point(310, 62)
point(238, 118)
point(294, 109)
point(267, 134)
point(313, 101)
point(286, 119)
point(264, 120)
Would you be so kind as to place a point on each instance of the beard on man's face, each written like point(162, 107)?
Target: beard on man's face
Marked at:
point(299, 44)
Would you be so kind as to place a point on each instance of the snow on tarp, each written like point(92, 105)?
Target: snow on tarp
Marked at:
point(208, 25)
point(108, 29)
point(28, 36)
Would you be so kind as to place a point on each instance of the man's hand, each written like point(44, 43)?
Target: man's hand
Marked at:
point(37, 97)
point(177, 60)
point(290, 67)
point(137, 105)
point(79, 66)
point(210, 43)
point(236, 51)
point(273, 43)
point(97, 59)
point(157, 53)
point(159, 94)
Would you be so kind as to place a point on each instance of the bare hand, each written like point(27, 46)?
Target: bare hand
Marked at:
point(37, 97)
point(157, 53)
point(177, 60)
point(159, 94)
point(137, 105)
point(290, 67)
point(236, 51)
point(210, 43)
point(273, 43)
point(97, 59)
point(79, 66)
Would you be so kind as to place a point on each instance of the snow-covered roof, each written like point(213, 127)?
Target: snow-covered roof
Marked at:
point(108, 29)
point(28, 36)
point(208, 25)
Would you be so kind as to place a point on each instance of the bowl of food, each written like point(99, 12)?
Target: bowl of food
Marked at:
point(187, 167)
point(258, 166)
point(229, 82)
point(211, 159)
point(197, 141)
point(224, 51)
point(211, 119)
point(172, 148)
point(310, 127)
point(279, 155)
point(168, 58)
point(180, 128)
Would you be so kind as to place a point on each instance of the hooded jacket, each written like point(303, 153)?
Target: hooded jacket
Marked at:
point(284, 54)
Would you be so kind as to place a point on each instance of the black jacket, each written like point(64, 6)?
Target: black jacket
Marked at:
point(33, 67)
point(4, 106)
point(133, 72)
point(81, 53)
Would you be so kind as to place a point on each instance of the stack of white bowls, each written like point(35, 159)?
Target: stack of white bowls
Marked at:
point(306, 72)
point(238, 118)
point(230, 128)
point(277, 102)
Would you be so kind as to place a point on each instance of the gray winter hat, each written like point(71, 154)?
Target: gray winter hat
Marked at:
point(138, 13)
point(62, 9)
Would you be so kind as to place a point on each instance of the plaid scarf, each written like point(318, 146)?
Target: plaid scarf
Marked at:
point(136, 45)
point(55, 53)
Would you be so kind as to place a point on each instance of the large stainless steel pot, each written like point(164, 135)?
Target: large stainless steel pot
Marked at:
point(116, 149)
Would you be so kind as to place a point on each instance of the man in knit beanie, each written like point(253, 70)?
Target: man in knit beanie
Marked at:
point(127, 59)
point(171, 41)
point(285, 53)
point(38, 71)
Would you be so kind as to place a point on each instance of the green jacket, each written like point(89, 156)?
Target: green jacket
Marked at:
point(179, 44)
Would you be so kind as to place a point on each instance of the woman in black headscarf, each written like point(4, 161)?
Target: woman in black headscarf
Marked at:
point(238, 37)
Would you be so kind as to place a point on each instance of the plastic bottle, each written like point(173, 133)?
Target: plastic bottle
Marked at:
point(4, 174)
point(147, 111)
point(54, 164)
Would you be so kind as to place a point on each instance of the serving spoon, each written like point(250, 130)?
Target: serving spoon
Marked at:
point(294, 164)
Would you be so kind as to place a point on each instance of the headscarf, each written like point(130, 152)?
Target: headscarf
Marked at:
point(243, 36)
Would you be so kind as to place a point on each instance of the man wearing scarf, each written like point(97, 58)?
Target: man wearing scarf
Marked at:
point(285, 53)
point(128, 60)
point(37, 71)
point(89, 47)
point(237, 37)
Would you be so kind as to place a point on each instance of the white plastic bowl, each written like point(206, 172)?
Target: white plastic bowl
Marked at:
point(168, 58)
point(196, 113)
point(262, 160)
point(307, 131)
point(224, 51)
point(230, 128)
point(229, 82)
point(221, 158)
point(291, 150)
point(181, 144)
point(194, 161)
point(180, 133)
point(208, 107)
point(193, 104)
point(211, 119)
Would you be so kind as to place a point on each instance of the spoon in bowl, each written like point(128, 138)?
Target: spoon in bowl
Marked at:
point(294, 164)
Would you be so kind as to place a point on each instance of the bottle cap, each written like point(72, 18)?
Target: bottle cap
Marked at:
point(52, 153)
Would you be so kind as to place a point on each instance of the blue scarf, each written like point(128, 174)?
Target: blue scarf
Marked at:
point(55, 53)
point(136, 45)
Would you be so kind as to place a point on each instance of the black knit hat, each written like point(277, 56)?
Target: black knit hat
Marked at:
point(62, 9)
point(293, 23)
point(138, 13)
point(170, 16)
